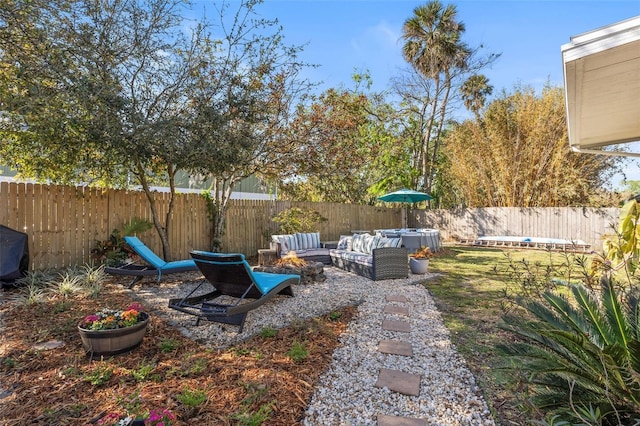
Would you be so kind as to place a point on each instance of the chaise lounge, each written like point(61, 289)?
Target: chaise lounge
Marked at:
point(231, 275)
point(155, 265)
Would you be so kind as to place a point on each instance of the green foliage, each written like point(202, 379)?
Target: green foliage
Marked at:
point(143, 371)
point(298, 352)
point(136, 225)
point(298, 219)
point(623, 248)
point(114, 250)
point(193, 366)
point(348, 143)
point(168, 345)
point(248, 418)
point(29, 294)
point(581, 351)
point(335, 315)
point(256, 393)
point(99, 375)
point(68, 284)
point(192, 398)
point(267, 332)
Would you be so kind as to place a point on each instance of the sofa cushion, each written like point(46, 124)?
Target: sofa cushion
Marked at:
point(308, 240)
point(287, 242)
point(354, 256)
point(360, 242)
point(369, 241)
point(345, 242)
point(390, 242)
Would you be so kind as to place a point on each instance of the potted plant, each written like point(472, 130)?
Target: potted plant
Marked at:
point(419, 261)
point(110, 332)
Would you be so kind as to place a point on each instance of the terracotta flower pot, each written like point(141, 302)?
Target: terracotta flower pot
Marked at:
point(116, 341)
point(418, 266)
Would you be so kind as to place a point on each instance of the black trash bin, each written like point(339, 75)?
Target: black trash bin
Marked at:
point(14, 256)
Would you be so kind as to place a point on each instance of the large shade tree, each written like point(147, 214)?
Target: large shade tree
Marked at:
point(516, 154)
point(124, 91)
point(93, 92)
point(241, 109)
point(349, 148)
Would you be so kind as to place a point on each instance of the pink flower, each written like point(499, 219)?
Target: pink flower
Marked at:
point(91, 319)
point(136, 307)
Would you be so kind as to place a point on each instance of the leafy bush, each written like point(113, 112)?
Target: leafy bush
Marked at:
point(298, 219)
point(579, 343)
point(582, 352)
point(114, 250)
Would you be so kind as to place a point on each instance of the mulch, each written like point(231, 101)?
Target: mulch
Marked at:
point(253, 379)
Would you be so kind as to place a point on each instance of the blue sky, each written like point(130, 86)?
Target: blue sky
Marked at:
point(365, 34)
point(343, 35)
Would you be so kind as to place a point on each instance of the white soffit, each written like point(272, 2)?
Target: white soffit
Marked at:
point(602, 86)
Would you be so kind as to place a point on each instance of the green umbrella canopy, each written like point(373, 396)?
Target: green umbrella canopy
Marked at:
point(405, 196)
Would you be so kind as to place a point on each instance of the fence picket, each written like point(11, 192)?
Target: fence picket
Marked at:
point(63, 223)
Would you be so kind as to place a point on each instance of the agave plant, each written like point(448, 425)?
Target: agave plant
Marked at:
point(582, 353)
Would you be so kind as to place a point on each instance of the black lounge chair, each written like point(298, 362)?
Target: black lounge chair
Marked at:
point(156, 266)
point(231, 275)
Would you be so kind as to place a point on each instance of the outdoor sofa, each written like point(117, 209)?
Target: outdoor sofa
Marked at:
point(372, 256)
point(306, 245)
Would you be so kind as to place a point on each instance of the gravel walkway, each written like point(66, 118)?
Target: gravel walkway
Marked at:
point(347, 394)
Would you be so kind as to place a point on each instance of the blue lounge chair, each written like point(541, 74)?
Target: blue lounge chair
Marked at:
point(155, 265)
point(231, 275)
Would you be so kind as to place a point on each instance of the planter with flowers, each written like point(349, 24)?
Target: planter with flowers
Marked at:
point(419, 261)
point(110, 332)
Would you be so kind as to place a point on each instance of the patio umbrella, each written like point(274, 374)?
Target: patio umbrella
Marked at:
point(405, 196)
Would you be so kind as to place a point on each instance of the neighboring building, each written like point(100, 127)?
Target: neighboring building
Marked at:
point(250, 188)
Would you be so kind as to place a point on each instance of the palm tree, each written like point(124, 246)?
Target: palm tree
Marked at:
point(474, 93)
point(434, 49)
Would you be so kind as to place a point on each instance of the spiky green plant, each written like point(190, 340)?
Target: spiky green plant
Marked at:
point(582, 353)
point(67, 284)
point(29, 294)
point(92, 275)
point(36, 278)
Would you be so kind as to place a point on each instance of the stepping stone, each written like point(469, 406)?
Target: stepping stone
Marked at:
point(396, 298)
point(399, 381)
point(395, 347)
point(393, 325)
point(395, 309)
point(399, 421)
point(47, 346)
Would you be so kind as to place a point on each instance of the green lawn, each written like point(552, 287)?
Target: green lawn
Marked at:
point(471, 295)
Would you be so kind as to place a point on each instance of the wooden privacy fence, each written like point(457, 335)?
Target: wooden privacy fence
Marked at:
point(64, 222)
point(571, 223)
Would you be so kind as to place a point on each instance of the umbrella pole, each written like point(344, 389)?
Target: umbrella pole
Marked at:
point(404, 217)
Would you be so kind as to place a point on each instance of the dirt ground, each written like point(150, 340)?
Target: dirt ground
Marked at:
point(252, 381)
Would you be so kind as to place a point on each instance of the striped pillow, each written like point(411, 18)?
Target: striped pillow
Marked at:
point(343, 244)
point(392, 242)
point(287, 243)
point(308, 240)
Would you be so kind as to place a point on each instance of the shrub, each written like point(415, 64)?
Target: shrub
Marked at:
point(579, 343)
point(581, 352)
point(298, 219)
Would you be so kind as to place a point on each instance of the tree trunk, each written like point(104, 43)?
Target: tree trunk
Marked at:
point(163, 231)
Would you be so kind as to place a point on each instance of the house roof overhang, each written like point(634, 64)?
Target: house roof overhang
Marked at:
point(602, 87)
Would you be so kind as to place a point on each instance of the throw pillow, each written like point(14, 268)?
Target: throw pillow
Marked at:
point(344, 241)
point(308, 240)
